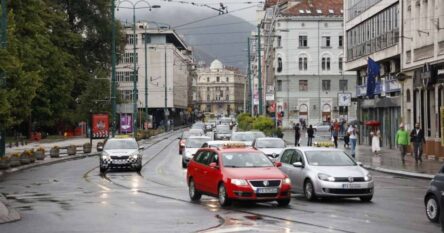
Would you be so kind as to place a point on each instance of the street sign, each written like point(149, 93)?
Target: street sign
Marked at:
point(344, 99)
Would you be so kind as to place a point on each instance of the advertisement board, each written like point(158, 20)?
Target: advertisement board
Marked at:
point(126, 125)
point(100, 126)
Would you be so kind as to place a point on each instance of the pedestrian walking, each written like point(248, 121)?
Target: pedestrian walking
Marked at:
point(353, 132)
point(335, 132)
point(310, 135)
point(376, 136)
point(402, 139)
point(346, 138)
point(418, 140)
point(297, 134)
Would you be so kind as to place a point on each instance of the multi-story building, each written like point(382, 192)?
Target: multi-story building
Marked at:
point(169, 62)
point(422, 64)
point(308, 76)
point(219, 89)
point(372, 31)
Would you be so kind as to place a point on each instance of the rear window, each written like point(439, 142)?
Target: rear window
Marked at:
point(223, 129)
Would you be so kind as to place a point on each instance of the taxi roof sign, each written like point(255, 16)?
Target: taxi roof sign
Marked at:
point(233, 145)
point(122, 136)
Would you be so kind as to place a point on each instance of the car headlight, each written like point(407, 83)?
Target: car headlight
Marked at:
point(368, 177)
point(326, 177)
point(286, 181)
point(239, 182)
point(135, 155)
point(105, 155)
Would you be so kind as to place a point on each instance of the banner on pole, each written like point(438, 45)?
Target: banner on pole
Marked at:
point(126, 125)
point(100, 126)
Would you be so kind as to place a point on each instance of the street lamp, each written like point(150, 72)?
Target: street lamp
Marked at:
point(134, 40)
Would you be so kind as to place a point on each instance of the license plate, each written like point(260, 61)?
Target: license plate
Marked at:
point(351, 186)
point(267, 190)
point(119, 161)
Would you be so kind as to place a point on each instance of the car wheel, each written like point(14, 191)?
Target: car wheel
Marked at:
point(223, 197)
point(283, 202)
point(366, 198)
point(139, 167)
point(432, 208)
point(103, 170)
point(309, 192)
point(194, 194)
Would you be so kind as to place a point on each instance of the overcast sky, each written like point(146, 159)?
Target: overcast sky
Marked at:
point(234, 6)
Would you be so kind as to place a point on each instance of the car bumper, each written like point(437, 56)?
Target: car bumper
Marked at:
point(121, 163)
point(222, 137)
point(249, 193)
point(343, 189)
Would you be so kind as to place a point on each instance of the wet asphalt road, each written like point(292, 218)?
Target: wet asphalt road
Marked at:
point(73, 197)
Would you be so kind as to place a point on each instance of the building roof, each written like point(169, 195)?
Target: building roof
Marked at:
point(269, 3)
point(315, 8)
point(216, 65)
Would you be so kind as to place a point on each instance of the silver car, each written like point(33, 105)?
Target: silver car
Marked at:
point(325, 172)
point(247, 136)
point(272, 147)
point(192, 144)
point(121, 153)
point(222, 132)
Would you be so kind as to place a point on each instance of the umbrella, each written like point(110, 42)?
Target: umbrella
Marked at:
point(373, 123)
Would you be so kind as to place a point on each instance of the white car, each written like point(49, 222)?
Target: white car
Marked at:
point(247, 136)
point(272, 147)
point(192, 144)
point(325, 172)
point(121, 153)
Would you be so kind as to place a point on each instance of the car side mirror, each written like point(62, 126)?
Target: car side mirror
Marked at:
point(213, 165)
point(359, 163)
point(141, 147)
point(278, 164)
point(298, 164)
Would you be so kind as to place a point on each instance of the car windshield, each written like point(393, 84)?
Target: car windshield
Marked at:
point(328, 158)
point(270, 143)
point(121, 144)
point(225, 120)
point(196, 142)
point(223, 129)
point(198, 126)
point(245, 137)
point(245, 159)
point(195, 132)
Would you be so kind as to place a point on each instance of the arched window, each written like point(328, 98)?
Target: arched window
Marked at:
point(279, 66)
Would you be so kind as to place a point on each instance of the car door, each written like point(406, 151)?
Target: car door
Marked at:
point(197, 170)
point(297, 173)
point(206, 171)
point(213, 175)
point(285, 159)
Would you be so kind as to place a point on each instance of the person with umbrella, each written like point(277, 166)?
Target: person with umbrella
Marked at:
point(376, 137)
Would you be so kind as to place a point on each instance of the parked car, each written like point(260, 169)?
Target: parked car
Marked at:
point(222, 132)
point(325, 172)
point(432, 198)
point(236, 172)
point(192, 145)
point(272, 147)
point(121, 153)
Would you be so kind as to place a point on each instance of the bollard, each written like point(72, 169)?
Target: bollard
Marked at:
point(441, 214)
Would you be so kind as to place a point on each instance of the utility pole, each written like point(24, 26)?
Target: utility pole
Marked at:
point(4, 44)
point(250, 94)
point(166, 88)
point(259, 69)
point(146, 78)
point(135, 96)
point(113, 70)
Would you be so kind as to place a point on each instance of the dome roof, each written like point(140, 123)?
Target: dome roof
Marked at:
point(216, 65)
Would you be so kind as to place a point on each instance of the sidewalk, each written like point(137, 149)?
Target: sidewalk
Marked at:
point(48, 144)
point(388, 160)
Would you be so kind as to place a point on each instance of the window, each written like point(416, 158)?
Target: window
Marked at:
point(286, 157)
point(340, 62)
point(325, 63)
point(128, 58)
point(217, 79)
point(208, 79)
point(279, 68)
point(408, 95)
point(341, 41)
point(130, 39)
point(279, 41)
point(303, 85)
point(228, 79)
point(326, 85)
point(343, 85)
point(303, 41)
point(303, 63)
point(147, 37)
point(227, 97)
point(208, 97)
point(325, 41)
point(279, 85)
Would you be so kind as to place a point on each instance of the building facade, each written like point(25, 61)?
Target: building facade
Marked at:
point(372, 30)
point(168, 62)
point(308, 75)
point(422, 63)
point(219, 90)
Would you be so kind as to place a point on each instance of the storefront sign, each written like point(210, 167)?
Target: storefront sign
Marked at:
point(100, 126)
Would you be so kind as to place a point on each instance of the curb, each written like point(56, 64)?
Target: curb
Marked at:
point(12, 214)
point(400, 173)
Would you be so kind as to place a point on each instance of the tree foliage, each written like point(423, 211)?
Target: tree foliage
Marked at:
point(57, 51)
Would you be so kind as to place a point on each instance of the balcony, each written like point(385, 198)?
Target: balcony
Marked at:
point(382, 87)
point(379, 43)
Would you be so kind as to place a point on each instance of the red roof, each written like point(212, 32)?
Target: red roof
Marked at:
point(316, 8)
point(270, 3)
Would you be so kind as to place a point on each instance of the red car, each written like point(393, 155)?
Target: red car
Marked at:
point(236, 172)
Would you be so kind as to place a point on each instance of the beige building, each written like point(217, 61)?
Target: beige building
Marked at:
point(219, 89)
